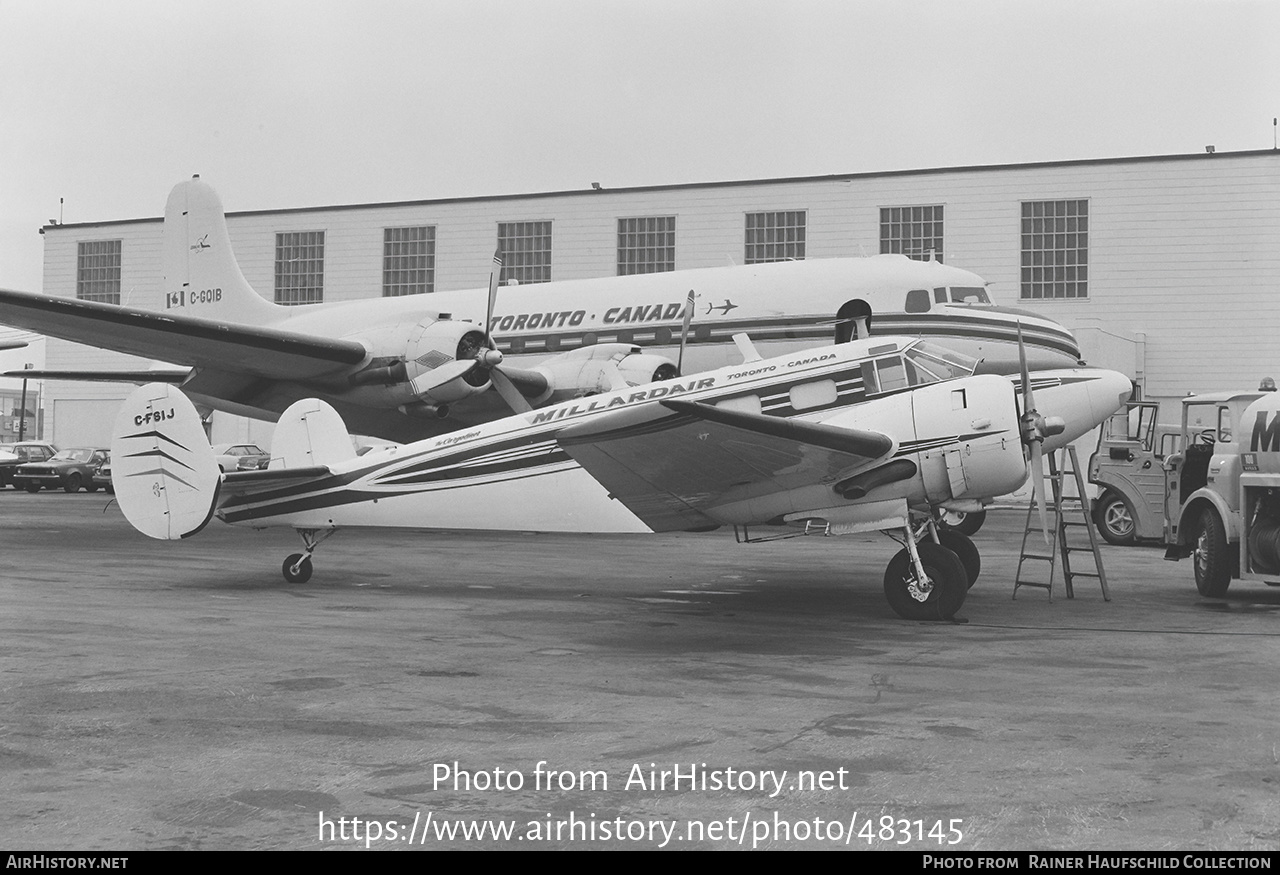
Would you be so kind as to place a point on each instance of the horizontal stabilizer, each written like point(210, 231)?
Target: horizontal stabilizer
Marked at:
point(165, 476)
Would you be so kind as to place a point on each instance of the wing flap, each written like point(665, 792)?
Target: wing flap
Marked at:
point(185, 340)
point(674, 465)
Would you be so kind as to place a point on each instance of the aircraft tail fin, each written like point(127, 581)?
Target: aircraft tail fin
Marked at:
point(201, 274)
point(166, 478)
point(310, 433)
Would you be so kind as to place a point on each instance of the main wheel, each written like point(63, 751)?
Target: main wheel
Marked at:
point(72, 484)
point(1114, 520)
point(303, 563)
point(964, 523)
point(1212, 559)
point(947, 585)
point(965, 550)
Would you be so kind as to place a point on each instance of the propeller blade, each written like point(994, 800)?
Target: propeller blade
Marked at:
point(436, 377)
point(1028, 399)
point(684, 331)
point(1037, 488)
point(509, 392)
point(494, 275)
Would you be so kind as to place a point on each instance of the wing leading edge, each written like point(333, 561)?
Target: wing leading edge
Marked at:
point(185, 340)
point(674, 465)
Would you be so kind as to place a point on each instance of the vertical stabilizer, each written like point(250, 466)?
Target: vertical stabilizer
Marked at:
point(201, 276)
point(310, 433)
point(165, 476)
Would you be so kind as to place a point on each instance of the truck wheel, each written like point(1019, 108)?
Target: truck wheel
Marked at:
point(1114, 520)
point(1211, 557)
point(964, 523)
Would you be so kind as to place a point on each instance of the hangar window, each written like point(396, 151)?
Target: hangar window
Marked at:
point(408, 261)
point(98, 271)
point(1055, 249)
point(300, 267)
point(775, 236)
point(915, 232)
point(526, 251)
point(646, 245)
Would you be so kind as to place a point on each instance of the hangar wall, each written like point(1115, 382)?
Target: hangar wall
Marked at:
point(1184, 252)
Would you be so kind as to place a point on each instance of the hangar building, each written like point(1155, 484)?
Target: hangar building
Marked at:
point(1164, 266)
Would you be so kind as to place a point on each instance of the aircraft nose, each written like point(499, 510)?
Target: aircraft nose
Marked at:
point(1083, 399)
point(1108, 393)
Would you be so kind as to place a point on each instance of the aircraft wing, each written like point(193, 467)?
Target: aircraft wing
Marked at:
point(184, 340)
point(670, 465)
point(157, 375)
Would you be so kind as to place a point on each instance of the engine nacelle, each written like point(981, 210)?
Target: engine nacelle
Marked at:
point(431, 363)
point(601, 368)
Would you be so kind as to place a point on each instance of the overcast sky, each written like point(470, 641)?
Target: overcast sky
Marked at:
point(284, 104)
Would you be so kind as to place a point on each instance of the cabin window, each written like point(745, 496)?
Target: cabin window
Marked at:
point(939, 296)
point(917, 301)
point(646, 245)
point(98, 271)
point(775, 236)
point(890, 374)
point(741, 404)
point(526, 251)
point(1055, 249)
point(915, 232)
point(806, 396)
point(300, 267)
point(408, 261)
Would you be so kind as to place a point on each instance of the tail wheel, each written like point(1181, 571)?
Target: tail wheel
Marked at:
point(1212, 555)
point(297, 568)
point(1114, 520)
point(939, 597)
point(965, 550)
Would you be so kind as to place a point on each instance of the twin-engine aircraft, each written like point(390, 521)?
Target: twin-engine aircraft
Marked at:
point(406, 368)
point(877, 434)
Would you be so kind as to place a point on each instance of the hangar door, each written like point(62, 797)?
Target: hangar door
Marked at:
point(83, 422)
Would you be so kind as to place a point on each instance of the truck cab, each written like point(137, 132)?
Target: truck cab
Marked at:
point(1222, 492)
point(1128, 468)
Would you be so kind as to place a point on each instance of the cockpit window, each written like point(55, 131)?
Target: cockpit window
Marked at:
point(939, 362)
point(969, 295)
point(918, 301)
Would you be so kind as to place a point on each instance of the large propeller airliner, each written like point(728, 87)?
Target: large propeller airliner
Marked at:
point(406, 368)
point(883, 433)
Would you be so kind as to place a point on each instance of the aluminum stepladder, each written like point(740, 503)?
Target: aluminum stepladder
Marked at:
point(1061, 547)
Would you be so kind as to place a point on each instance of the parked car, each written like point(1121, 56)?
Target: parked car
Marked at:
point(102, 477)
point(71, 469)
point(13, 455)
point(241, 457)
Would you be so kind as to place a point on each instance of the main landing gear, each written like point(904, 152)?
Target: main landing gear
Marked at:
point(929, 578)
point(297, 566)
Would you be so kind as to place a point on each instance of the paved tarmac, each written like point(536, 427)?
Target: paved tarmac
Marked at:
point(182, 696)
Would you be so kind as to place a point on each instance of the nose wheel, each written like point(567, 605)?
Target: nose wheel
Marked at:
point(297, 567)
